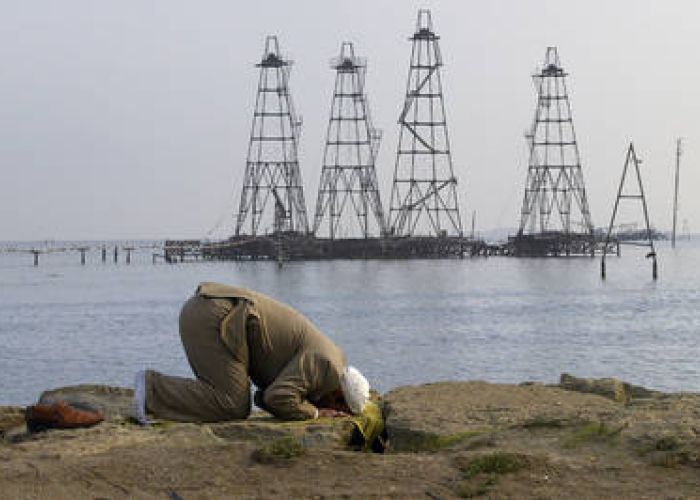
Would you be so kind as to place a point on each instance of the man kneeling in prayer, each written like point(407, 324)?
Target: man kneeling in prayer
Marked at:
point(233, 335)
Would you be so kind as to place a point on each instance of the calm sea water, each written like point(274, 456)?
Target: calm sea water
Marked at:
point(402, 322)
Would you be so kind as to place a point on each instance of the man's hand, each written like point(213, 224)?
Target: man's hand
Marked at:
point(330, 412)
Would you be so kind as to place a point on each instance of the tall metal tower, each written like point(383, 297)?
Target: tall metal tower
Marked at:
point(555, 196)
point(272, 198)
point(348, 190)
point(424, 193)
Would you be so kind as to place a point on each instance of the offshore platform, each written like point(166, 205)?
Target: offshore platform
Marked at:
point(349, 219)
point(423, 217)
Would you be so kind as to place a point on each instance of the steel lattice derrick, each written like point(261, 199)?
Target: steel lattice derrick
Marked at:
point(348, 195)
point(424, 192)
point(555, 195)
point(272, 197)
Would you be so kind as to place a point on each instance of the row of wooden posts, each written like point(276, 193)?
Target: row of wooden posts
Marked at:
point(83, 250)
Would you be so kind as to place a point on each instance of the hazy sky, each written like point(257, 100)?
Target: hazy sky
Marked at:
point(130, 119)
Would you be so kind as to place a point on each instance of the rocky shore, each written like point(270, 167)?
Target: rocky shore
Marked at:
point(578, 438)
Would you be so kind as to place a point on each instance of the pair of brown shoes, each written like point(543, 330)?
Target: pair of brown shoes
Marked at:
point(59, 415)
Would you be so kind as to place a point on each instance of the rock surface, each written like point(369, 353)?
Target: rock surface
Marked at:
point(419, 416)
point(607, 387)
point(115, 403)
point(448, 439)
point(10, 418)
point(611, 388)
point(260, 427)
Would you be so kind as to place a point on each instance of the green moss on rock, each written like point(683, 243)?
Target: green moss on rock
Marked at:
point(494, 463)
point(594, 432)
point(283, 449)
point(420, 441)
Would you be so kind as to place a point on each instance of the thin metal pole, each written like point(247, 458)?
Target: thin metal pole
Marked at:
point(675, 193)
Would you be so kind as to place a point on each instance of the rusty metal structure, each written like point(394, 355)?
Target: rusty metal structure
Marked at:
point(349, 204)
point(271, 223)
point(632, 193)
point(555, 219)
point(424, 192)
point(272, 198)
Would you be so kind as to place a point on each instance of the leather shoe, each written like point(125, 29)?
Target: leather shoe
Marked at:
point(59, 415)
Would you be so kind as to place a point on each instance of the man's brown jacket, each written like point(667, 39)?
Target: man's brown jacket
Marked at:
point(288, 358)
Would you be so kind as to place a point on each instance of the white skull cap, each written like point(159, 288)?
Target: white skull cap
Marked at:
point(355, 389)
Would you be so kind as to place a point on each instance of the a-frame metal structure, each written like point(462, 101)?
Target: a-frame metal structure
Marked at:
point(555, 208)
point(349, 204)
point(424, 198)
point(633, 196)
point(272, 198)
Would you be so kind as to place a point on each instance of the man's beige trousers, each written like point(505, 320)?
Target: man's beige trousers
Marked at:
point(222, 388)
